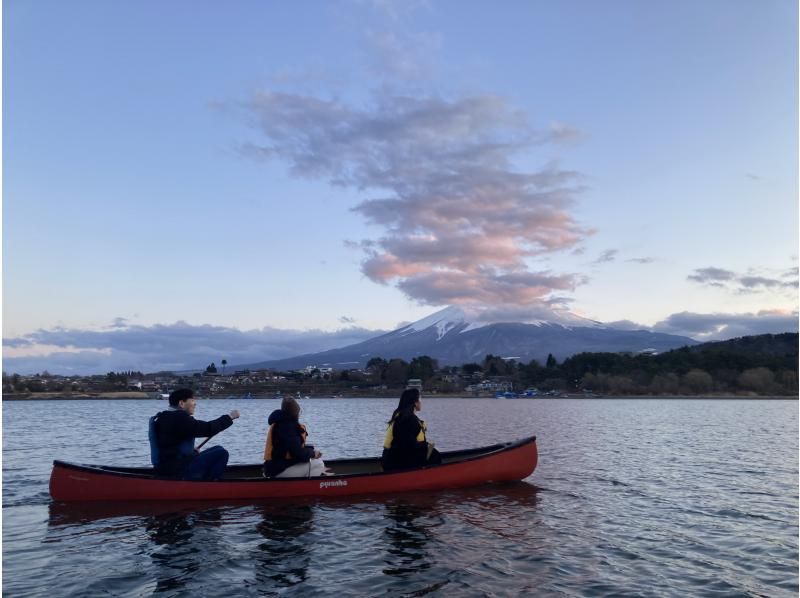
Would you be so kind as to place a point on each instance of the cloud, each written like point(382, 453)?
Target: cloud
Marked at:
point(720, 326)
point(566, 134)
point(752, 282)
point(705, 275)
point(607, 256)
point(486, 287)
point(761, 281)
point(402, 57)
point(394, 10)
point(347, 320)
point(178, 346)
point(641, 260)
point(459, 221)
point(626, 325)
point(554, 309)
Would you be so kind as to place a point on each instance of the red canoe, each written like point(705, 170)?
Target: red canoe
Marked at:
point(498, 463)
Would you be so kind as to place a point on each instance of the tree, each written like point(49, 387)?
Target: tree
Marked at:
point(422, 367)
point(595, 382)
point(789, 380)
point(665, 384)
point(620, 385)
point(211, 369)
point(224, 363)
point(396, 372)
point(36, 386)
point(471, 368)
point(377, 368)
point(532, 373)
point(698, 381)
point(494, 365)
point(760, 380)
point(551, 361)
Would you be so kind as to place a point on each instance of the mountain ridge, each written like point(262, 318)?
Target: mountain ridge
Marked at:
point(454, 337)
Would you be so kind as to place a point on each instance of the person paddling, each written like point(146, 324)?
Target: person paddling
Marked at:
point(405, 444)
point(172, 435)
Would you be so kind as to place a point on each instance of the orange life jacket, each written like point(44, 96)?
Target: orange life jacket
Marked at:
point(268, 446)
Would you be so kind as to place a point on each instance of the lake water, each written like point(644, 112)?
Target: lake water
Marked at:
point(653, 497)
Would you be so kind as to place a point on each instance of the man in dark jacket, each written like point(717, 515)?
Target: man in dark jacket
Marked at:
point(175, 431)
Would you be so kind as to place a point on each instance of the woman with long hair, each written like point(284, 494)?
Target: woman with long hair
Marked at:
point(286, 454)
point(405, 445)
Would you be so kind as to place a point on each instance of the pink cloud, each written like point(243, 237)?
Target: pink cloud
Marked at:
point(459, 221)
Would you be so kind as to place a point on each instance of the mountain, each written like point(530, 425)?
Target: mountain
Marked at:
point(453, 338)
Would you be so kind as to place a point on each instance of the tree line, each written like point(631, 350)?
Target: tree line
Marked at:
point(763, 364)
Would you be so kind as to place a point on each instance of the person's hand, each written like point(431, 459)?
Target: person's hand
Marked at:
point(317, 454)
point(234, 414)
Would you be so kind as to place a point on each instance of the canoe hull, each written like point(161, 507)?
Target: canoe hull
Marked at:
point(515, 461)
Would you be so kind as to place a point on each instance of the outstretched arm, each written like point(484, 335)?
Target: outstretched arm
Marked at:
point(198, 428)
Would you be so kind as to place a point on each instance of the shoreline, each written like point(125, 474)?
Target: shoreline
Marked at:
point(141, 396)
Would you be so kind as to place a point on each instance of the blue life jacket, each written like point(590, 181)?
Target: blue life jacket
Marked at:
point(151, 434)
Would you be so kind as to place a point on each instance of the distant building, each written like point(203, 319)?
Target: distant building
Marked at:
point(491, 386)
point(414, 383)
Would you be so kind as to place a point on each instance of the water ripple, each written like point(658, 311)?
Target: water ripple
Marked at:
point(631, 498)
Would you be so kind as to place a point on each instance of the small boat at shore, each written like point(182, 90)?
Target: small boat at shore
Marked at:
point(511, 461)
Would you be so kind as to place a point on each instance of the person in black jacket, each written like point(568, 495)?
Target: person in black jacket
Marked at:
point(175, 431)
point(286, 454)
point(405, 445)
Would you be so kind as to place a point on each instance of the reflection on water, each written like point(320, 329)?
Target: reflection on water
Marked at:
point(406, 539)
point(676, 497)
point(178, 555)
point(407, 542)
point(284, 557)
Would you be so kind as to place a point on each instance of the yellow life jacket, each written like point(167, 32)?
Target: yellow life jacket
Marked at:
point(387, 441)
point(268, 446)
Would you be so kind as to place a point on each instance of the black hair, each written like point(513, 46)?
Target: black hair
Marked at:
point(182, 394)
point(291, 406)
point(408, 399)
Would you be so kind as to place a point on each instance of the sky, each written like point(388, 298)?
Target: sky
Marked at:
point(190, 181)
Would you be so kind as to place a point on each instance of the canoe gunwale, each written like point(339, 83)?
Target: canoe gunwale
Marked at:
point(474, 454)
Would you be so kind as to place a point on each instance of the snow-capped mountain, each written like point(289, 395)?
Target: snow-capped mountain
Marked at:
point(453, 337)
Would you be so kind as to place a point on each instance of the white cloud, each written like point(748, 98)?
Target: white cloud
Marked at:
point(165, 346)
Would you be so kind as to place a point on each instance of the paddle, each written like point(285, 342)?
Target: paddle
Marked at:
point(197, 448)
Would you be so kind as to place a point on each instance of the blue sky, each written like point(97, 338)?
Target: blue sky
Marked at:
point(322, 170)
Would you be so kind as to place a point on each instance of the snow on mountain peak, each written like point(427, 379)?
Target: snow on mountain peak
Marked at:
point(444, 320)
point(450, 317)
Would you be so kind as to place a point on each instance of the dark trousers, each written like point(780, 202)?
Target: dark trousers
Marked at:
point(208, 465)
